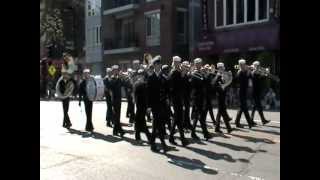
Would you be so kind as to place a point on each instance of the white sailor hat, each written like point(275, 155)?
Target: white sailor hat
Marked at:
point(108, 69)
point(129, 70)
point(197, 60)
point(165, 67)
point(140, 71)
point(144, 66)
point(206, 66)
point(256, 63)
point(242, 61)
point(186, 63)
point(176, 59)
point(115, 67)
point(86, 70)
point(220, 64)
point(156, 59)
point(136, 61)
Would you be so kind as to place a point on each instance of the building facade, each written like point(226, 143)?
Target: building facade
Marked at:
point(233, 29)
point(131, 28)
point(93, 45)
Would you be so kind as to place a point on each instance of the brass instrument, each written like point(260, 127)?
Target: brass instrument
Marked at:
point(261, 71)
point(70, 86)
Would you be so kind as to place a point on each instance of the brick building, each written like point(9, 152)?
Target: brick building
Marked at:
point(131, 28)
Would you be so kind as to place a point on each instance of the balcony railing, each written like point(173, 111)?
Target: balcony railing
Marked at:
point(111, 4)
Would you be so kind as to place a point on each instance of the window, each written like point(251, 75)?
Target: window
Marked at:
point(97, 35)
point(251, 10)
point(240, 12)
point(219, 12)
point(263, 9)
point(153, 28)
point(181, 21)
point(229, 12)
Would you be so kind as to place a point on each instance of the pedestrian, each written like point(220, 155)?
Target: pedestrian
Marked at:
point(107, 92)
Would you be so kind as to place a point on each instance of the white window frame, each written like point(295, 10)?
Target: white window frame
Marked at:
point(235, 24)
point(146, 15)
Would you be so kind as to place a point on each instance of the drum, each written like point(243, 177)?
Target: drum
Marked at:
point(95, 88)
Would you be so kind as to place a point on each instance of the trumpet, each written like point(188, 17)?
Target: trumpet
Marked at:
point(237, 66)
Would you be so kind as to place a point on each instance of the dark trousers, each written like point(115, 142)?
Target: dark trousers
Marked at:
point(209, 108)
point(222, 111)
point(257, 106)
point(109, 118)
point(158, 129)
point(88, 108)
point(130, 109)
point(177, 120)
point(186, 113)
point(243, 109)
point(199, 115)
point(116, 117)
point(140, 123)
point(66, 119)
point(167, 115)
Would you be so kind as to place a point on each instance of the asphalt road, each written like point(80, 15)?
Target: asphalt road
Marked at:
point(243, 154)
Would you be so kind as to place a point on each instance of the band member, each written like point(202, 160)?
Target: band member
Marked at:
point(185, 67)
point(154, 91)
point(129, 93)
point(116, 82)
point(211, 91)
point(222, 108)
point(176, 84)
point(65, 102)
point(243, 76)
point(198, 96)
point(140, 98)
point(87, 103)
point(106, 81)
point(257, 79)
point(165, 92)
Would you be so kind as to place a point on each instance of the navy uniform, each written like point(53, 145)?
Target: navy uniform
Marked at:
point(186, 96)
point(243, 77)
point(176, 84)
point(165, 91)
point(198, 96)
point(211, 91)
point(257, 80)
point(140, 98)
point(222, 108)
point(87, 103)
point(115, 87)
point(106, 82)
point(129, 93)
point(154, 101)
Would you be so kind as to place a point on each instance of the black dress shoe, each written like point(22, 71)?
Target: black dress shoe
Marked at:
point(171, 140)
point(184, 142)
point(154, 148)
point(122, 133)
point(265, 122)
point(115, 134)
point(207, 137)
point(194, 136)
point(109, 124)
point(218, 131)
point(165, 149)
point(229, 130)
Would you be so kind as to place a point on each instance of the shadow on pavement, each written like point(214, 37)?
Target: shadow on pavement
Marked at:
point(191, 164)
point(266, 131)
point(253, 139)
point(233, 147)
point(272, 126)
point(96, 135)
point(212, 155)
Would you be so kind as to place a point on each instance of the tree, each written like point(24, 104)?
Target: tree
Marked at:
point(51, 27)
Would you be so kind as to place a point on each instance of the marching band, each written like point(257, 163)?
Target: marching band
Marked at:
point(156, 88)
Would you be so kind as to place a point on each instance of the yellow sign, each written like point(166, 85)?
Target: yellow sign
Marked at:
point(52, 70)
